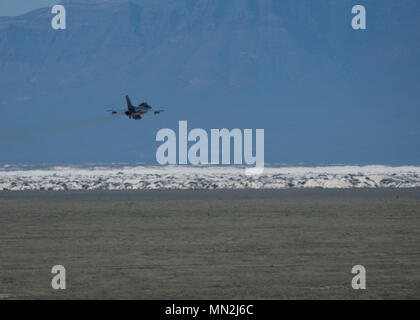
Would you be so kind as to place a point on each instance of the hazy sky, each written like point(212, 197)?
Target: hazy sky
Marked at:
point(17, 7)
point(323, 92)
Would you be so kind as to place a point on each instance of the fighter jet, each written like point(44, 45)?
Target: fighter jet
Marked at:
point(133, 112)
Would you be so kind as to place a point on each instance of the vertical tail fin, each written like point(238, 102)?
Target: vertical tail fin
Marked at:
point(129, 105)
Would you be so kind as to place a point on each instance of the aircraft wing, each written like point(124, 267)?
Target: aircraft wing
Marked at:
point(117, 111)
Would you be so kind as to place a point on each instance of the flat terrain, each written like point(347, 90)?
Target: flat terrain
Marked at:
point(264, 244)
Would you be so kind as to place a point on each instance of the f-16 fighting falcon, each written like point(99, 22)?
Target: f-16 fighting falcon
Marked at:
point(135, 112)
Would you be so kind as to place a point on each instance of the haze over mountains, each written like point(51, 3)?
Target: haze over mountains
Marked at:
point(323, 92)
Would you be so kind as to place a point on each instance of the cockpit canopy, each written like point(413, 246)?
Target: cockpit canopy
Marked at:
point(145, 105)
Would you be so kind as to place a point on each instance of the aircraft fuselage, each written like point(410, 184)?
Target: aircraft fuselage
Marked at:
point(136, 112)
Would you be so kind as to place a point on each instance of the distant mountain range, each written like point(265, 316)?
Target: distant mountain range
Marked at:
point(323, 92)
